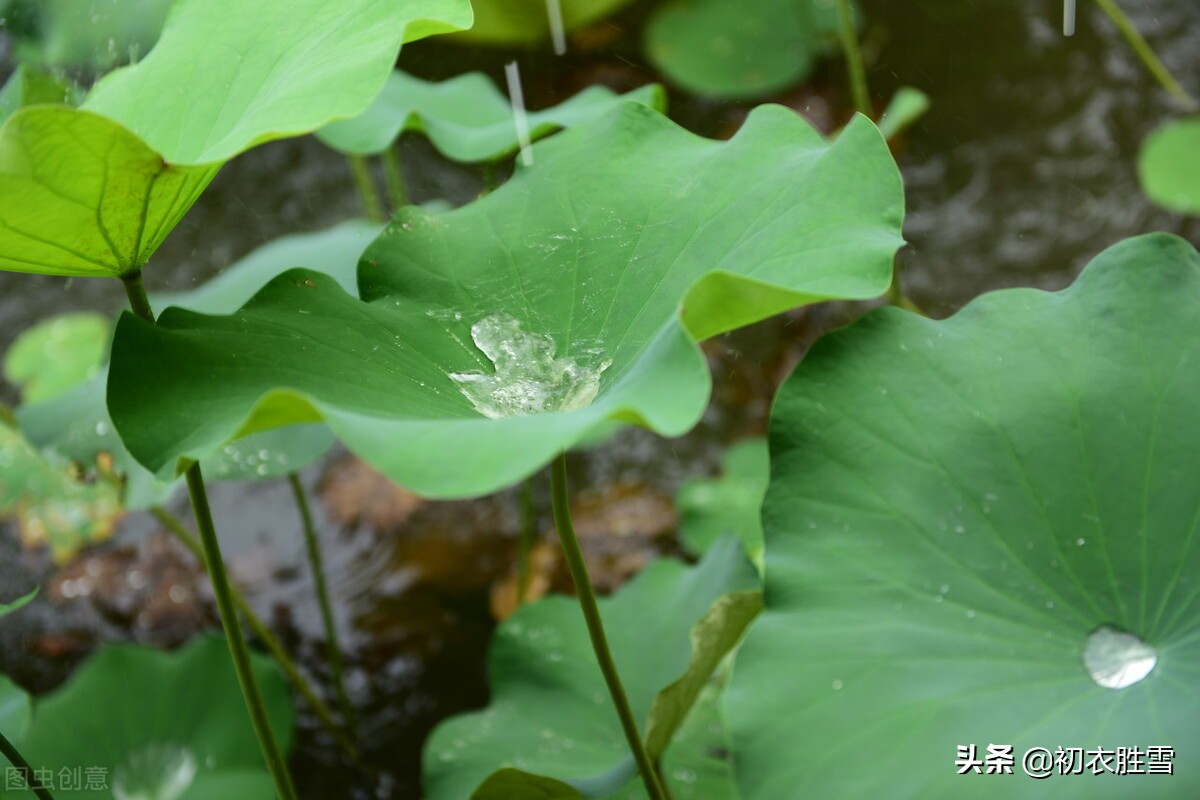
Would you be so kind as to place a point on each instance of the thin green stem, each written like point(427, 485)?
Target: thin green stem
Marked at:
point(491, 176)
point(525, 542)
point(1146, 53)
point(7, 417)
point(264, 634)
point(854, 60)
point(17, 760)
point(239, 653)
point(394, 175)
point(361, 173)
point(317, 565)
point(276, 764)
point(135, 290)
point(595, 626)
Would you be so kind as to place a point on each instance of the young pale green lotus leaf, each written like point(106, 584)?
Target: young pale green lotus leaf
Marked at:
point(56, 354)
point(1169, 166)
point(528, 21)
point(739, 48)
point(712, 508)
point(80, 195)
point(467, 118)
point(160, 724)
point(227, 75)
point(550, 713)
point(50, 505)
point(15, 712)
point(906, 107)
point(982, 531)
point(505, 332)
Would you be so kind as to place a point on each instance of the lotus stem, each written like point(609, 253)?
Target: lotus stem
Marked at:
point(234, 639)
point(317, 564)
point(854, 60)
point(491, 177)
point(276, 764)
point(397, 192)
point(525, 543)
point(17, 760)
point(264, 634)
point(1146, 53)
point(361, 172)
point(595, 626)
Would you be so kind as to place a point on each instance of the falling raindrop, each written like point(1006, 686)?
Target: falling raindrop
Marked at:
point(1116, 659)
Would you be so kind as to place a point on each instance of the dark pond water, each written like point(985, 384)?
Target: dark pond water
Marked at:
point(1023, 170)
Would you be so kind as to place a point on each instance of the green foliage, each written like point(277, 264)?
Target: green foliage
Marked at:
point(161, 724)
point(28, 86)
point(15, 712)
point(629, 241)
point(56, 354)
point(282, 68)
point(550, 714)
point(955, 508)
point(75, 423)
point(41, 491)
point(712, 508)
point(94, 192)
point(466, 118)
point(333, 251)
point(98, 34)
point(83, 196)
point(503, 22)
point(739, 48)
point(1169, 166)
point(906, 107)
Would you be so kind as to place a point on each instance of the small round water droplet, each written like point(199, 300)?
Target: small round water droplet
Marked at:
point(837, 685)
point(1116, 659)
point(1081, 541)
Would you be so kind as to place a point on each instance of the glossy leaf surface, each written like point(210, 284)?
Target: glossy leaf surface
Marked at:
point(959, 514)
point(629, 241)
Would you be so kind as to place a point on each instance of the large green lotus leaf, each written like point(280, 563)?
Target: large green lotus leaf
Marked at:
point(550, 713)
point(503, 22)
point(227, 75)
point(958, 511)
point(333, 251)
point(56, 354)
point(467, 118)
point(739, 48)
point(161, 724)
point(51, 506)
point(628, 240)
point(712, 508)
point(80, 195)
point(15, 711)
point(1169, 166)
